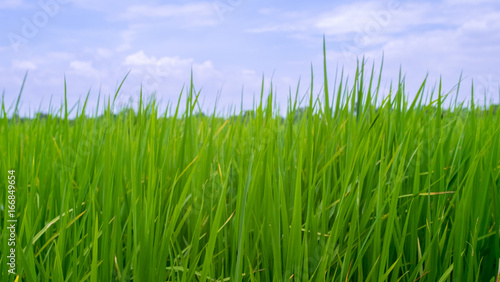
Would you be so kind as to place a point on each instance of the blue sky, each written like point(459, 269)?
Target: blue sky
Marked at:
point(231, 44)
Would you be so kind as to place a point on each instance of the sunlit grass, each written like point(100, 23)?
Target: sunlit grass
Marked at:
point(335, 191)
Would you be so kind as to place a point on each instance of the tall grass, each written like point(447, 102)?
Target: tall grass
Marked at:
point(340, 191)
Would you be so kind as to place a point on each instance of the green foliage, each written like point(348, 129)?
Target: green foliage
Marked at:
point(331, 192)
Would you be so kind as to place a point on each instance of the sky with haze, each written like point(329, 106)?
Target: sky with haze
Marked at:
point(231, 44)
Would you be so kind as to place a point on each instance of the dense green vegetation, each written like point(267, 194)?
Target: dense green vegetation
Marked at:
point(334, 191)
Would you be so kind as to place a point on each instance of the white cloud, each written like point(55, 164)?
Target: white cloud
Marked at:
point(187, 15)
point(108, 7)
point(168, 66)
point(154, 71)
point(348, 18)
point(468, 1)
point(59, 56)
point(357, 17)
point(487, 23)
point(83, 68)
point(248, 72)
point(384, 17)
point(284, 22)
point(267, 11)
point(9, 4)
point(475, 25)
point(104, 53)
point(24, 65)
point(140, 59)
point(369, 25)
point(286, 27)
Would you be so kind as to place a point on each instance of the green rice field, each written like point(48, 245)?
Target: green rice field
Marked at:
point(341, 188)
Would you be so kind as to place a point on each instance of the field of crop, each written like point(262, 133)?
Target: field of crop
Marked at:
point(337, 190)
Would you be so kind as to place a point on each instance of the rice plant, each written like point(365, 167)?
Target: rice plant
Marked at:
point(339, 189)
